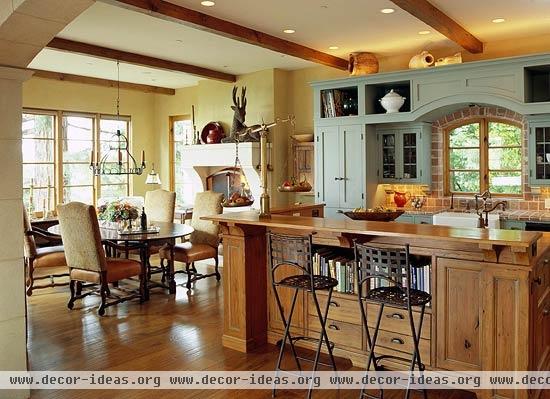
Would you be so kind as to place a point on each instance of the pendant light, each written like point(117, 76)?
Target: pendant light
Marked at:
point(112, 163)
point(153, 177)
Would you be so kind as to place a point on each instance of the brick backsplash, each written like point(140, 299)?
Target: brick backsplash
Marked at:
point(436, 197)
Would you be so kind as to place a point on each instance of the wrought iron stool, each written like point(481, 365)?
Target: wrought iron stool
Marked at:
point(295, 251)
point(384, 277)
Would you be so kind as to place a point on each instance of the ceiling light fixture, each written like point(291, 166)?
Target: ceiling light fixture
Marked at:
point(424, 32)
point(153, 177)
point(289, 31)
point(208, 3)
point(333, 48)
point(498, 20)
point(114, 162)
point(387, 10)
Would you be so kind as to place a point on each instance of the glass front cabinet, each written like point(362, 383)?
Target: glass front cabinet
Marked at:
point(404, 152)
point(539, 151)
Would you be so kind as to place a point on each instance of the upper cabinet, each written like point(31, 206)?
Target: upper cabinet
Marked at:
point(539, 151)
point(404, 153)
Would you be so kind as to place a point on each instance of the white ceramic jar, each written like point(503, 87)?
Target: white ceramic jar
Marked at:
point(392, 102)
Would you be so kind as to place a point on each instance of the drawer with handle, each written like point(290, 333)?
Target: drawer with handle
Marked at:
point(403, 343)
point(397, 320)
point(342, 334)
point(341, 309)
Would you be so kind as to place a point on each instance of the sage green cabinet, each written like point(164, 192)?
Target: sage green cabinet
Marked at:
point(512, 225)
point(340, 167)
point(415, 219)
point(539, 150)
point(404, 153)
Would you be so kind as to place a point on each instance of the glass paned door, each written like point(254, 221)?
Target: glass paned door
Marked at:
point(410, 151)
point(182, 136)
point(542, 149)
point(388, 155)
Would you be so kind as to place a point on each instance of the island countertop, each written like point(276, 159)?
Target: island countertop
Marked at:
point(512, 238)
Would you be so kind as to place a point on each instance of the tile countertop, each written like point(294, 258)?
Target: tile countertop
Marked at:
point(520, 215)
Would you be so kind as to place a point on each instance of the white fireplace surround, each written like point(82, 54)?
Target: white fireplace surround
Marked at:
point(200, 161)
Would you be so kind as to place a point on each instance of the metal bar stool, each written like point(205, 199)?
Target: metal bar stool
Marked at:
point(384, 277)
point(295, 251)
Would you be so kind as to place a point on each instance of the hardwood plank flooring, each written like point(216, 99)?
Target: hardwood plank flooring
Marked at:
point(169, 332)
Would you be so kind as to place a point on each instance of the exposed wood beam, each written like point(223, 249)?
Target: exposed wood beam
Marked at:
point(138, 59)
point(67, 77)
point(437, 19)
point(173, 12)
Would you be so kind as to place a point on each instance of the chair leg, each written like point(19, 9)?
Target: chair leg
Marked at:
point(188, 272)
point(78, 288)
point(416, 353)
point(30, 279)
point(371, 350)
point(103, 290)
point(216, 266)
point(70, 305)
point(163, 272)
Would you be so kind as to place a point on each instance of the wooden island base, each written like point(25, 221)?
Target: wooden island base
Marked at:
point(490, 290)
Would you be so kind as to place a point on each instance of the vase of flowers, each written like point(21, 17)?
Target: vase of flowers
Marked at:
point(120, 212)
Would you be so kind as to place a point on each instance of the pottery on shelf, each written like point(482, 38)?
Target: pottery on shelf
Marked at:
point(422, 60)
point(362, 63)
point(392, 102)
point(452, 59)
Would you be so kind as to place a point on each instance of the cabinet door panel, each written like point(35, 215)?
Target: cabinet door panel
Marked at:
point(328, 160)
point(351, 165)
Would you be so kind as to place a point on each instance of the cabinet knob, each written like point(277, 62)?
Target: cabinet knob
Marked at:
point(546, 261)
point(467, 344)
point(538, 280)
point(334, 327)
point(395, 316)
point(334, 303)
point(398, 341)
point(546, 312)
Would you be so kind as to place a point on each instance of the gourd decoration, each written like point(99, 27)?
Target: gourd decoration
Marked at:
point(238, 195)
point(422, 60)
point(362, 64)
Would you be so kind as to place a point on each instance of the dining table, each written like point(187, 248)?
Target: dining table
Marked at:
point(164, 234)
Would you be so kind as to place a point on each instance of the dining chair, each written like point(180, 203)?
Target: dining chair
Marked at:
point(89, 267)
point(41, 258)
point(203, 242)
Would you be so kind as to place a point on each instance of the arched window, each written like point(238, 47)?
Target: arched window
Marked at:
point(484, 154)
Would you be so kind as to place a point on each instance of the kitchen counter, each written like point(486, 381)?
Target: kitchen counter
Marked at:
point(490, 292)
point(520, 215)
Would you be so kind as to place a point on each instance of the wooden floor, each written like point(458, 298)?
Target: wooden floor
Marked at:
point(181, 332)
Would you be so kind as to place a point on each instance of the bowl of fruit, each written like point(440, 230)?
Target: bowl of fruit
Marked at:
point(293, 186)
point(379, 214)
point(238, 198)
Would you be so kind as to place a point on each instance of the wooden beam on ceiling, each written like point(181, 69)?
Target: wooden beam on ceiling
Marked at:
point(137, 59)
point(67, 77)
point(437, 19)
point(173, 12)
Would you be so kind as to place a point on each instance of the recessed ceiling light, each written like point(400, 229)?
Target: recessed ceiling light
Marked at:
point(208, 3)
point(387, 10)
point(424, 32)
point(324, 6)
point(333, 48)
point(179, 40)
point(289, 31)
point(226, 66)
point(498, 20)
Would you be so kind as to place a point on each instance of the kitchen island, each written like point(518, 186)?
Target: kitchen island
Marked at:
point(490, 290)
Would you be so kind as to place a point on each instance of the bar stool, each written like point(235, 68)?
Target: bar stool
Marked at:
point(384, 278)
point(295, 251)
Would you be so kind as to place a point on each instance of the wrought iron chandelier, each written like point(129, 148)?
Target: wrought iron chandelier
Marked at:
point(112, 163)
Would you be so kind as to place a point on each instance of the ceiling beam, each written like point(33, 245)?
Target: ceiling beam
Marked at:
point(67, 77)
point(437, 19)
point(137, 59)
point(173, 12)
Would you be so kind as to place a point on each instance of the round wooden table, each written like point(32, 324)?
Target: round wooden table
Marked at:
point(167, 235)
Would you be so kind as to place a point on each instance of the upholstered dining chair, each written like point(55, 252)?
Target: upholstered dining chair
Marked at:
point(41, 258)
point(87, 261)
point(160, 205)
point(203, 242)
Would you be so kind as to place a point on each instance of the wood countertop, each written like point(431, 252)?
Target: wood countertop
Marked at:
point(512, 238)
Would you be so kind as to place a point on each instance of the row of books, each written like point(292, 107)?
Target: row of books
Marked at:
point(333, 263)
point(333, 103)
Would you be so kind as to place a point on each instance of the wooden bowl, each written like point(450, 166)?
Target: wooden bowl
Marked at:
point(226, 204)
point(303, 138)
point(293, 189)
point(375, 216)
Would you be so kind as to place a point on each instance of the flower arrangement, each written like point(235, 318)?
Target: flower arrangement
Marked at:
point(118, 211)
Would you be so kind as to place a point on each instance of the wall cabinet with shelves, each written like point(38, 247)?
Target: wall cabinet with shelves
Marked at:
point(539, 151)
point(404, 153)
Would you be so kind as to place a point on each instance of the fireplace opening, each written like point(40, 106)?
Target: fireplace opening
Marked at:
point(225, 181)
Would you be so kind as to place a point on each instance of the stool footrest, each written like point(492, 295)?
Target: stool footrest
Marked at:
point(421, 366)
point(311, 339)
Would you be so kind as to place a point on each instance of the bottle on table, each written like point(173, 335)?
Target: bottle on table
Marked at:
point(143, 219)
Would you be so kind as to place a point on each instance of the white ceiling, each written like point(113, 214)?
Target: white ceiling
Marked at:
point(352, 25)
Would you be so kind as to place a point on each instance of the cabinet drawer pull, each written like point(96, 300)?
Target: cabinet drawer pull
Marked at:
point(538, 280)
point(398, 341)
point(467, 344)
point(398, 316)
point(546, 261)
point(546, 312)
point(334, 303)
point(334, 327)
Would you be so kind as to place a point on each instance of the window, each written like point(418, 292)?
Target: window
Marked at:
point(485, 155)
point(181, 134)
point(38, 158)
point(57, 147)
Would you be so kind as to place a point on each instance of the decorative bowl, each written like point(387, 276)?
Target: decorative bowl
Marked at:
point(227, 204)
point(303, 138)
point(392, 102)
point(375, 216)
point(293, 189)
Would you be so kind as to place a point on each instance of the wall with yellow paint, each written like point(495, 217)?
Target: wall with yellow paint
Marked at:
point(77, 97)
